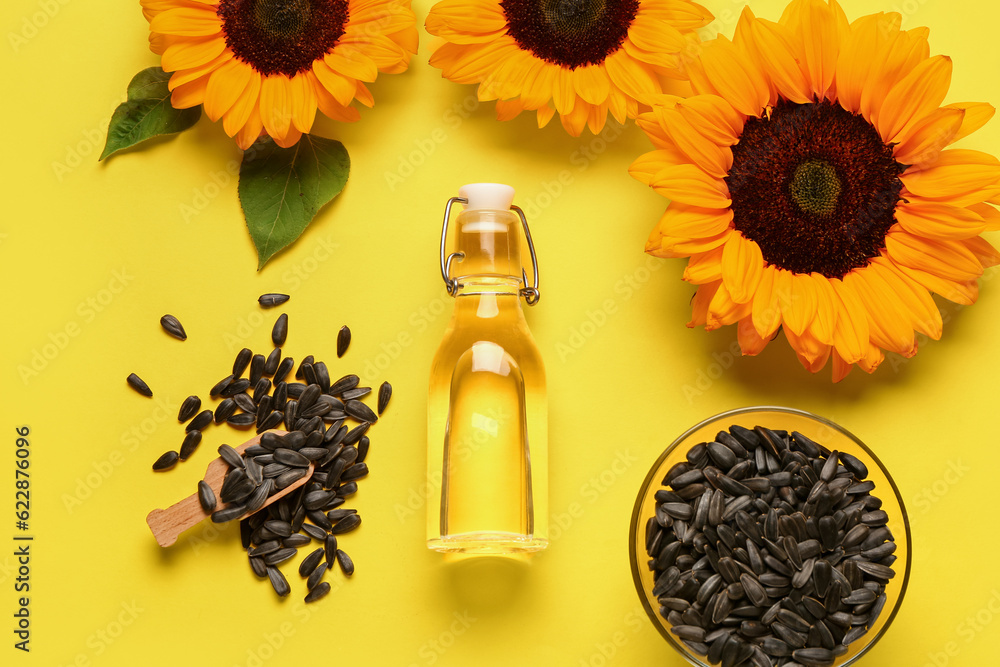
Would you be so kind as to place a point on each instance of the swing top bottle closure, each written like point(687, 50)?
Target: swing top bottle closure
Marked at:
point(487, 411)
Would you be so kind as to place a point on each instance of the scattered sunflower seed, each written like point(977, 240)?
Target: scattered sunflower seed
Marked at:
point(173, 327)
point(343, 340)
point(167, 461)
point(279, 332)
point(138, 384)
point(189, 408)
point(384, 394)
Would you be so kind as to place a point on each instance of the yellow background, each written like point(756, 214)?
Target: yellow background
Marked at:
point(102, 250)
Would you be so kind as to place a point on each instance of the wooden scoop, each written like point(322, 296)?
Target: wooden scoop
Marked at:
point(168, 524)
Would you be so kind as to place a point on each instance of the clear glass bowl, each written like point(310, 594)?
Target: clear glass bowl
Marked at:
point(819, 430)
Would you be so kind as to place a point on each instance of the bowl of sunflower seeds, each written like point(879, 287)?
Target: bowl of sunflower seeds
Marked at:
point(768, 536)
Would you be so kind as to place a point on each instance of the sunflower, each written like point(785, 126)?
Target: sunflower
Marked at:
point(812, 189)
point(580, 58)
point(268, 65)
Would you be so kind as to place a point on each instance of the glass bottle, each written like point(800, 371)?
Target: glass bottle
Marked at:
point(487, 407)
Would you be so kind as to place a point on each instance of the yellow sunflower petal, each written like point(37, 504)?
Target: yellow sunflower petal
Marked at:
point(225, 85)
point(983, 251)
point(872, 359)
point(893, 61)
point(330, 107)
point(289, 139)
point(723, 310)
point(713, 117)
point(633, 78)
point(948, 259)
point(275, 105)
point(851, 333)
point(739, 82)
point(351, 62)
point(825, 322)
point(921, 91)
point(751, 344)
point(183, 76)
point(250, 131)
point(654, 35)
point(715, 160)
point(766, 310)
point(465, 22)
point(704, 267)
point(543, 115)
point(915, 301)
point(989, 214)
point(597, 117)
point(303, 101)
point(189, 94)
point(866, 36)
point(576, 120)
point(780, 50)
point(958, 176)
point(688, 184)
point(742, 267)
point(339, 86)
point(591, 83)
point(563, 93)
point(840, 367)
point(798, 309)
point(668, 246)
point(812, 354)
point(187, 21)
point(936, 220)
point(191, 52)
point(889, 327)
point(238, 115)
point(536, 89)
point(921, 143)
point(508, 109)
point(699, 304)
point(817, 25)
point(680, 220)
point(976, 115)
point(961, 292)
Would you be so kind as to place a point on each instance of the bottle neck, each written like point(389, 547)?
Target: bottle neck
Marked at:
point(490, 244)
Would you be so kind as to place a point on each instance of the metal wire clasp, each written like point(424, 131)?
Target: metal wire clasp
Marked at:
point(530, 293)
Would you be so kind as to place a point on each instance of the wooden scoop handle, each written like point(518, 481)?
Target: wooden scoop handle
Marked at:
point(168, 524)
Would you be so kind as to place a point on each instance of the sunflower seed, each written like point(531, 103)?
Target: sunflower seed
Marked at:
point(814, 657)
point(290, 457)
point(314, 532)
point(224, 410)
point(258, 567)
point(189, 408)
point(289, 477)
point(137, 383)
point(244, 402)
point(271, 421)
point(221, 385)
point(280, 556)
point(235, 387)
point(346, 564)
point(318, 592)
point(278, 581)
point(242, 420)
point(284, 368)
point(190, 444)
point(310, 562)
point(343, 340)
point(296, 540)
point(173, 327)
point(228, 514)
point(272, 299)
point(206, 497)
point(307, 361)
point(167, 461)
point(259, 496)
point(316, 576)
point(256, 368)
point(343, 384)
point(384, 394)
point(231, 456)
point(272, 361)
point(279, 332)
point(348, 523)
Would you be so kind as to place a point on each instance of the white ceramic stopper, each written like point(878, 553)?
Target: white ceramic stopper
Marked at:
point(491, 196)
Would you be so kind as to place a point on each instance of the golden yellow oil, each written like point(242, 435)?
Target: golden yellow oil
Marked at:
point(487, 409)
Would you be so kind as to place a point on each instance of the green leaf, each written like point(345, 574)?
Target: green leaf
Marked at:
point(147, 113)
point(282, 189)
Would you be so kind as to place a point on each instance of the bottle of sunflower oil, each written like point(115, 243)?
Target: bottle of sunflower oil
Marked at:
point(487, 407)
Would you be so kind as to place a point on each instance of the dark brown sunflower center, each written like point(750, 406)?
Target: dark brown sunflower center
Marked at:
point(282, 36)
point(815, 187)
point(570, 33)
